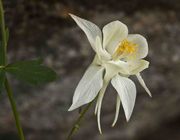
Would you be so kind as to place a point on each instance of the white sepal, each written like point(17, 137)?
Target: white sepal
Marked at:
point(137, 66)
point(127, 93)
point(141, 81)
point(101, 52)
point(128, 68)
point(88, 87)
point(90, 29)
point(99, 104)
point(118, 103)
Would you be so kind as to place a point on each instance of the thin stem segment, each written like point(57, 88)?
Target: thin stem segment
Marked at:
point(78, 121)
point(3, 33)
point(13, 106)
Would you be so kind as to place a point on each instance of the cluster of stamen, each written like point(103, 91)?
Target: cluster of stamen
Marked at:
point(124, 49)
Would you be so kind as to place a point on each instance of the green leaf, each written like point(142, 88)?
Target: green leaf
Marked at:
point(2, 79)
point(31, 71)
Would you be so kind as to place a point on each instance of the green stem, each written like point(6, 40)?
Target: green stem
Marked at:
point(13, 106)
point(3, 32)
point(4, 36)
point(78, 121)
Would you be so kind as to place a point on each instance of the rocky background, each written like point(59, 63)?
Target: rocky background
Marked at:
point(42, 28)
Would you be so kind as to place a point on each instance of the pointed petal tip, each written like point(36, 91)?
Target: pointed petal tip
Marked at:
point(118, 102)
point(127, 119)
point(128, 116)
point(70, 14)
point(148, 92)
point(74, 17)
point(72, 107)
point(150, 95)
point(113, 125)
point(99, 125)
point(100, 131)
point(98, 120)
point(141, 81)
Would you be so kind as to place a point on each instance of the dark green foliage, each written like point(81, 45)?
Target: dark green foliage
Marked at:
point(31, 71)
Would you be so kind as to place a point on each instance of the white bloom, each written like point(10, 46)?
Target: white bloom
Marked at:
point(118, 56)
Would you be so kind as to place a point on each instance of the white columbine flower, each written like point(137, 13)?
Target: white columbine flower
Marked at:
point(118, 56)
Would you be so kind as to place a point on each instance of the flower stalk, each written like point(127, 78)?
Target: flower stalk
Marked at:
point(4, 36)
point(13, 106)
point(3, 33)
point(78, 121)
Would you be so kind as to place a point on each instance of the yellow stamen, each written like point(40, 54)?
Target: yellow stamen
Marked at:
point(125, 48)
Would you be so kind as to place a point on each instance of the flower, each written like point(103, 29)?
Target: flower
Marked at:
point(118, 56)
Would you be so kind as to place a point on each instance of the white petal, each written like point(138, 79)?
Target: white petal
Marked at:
point(99, 104)
point(101, 52)
point(127, 93)
point(88, 87)
point(128, 68)
point(141, 81)
point(96, 108)
point(113, 34)
point(142, 45)
point(135, 67)
point(90, 29)
point(99, 111)
point(115, 67)
point(118, 103)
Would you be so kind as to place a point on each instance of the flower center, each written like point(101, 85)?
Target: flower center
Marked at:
point(124, 49)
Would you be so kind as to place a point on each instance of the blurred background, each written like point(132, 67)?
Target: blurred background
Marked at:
point(42, 28)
